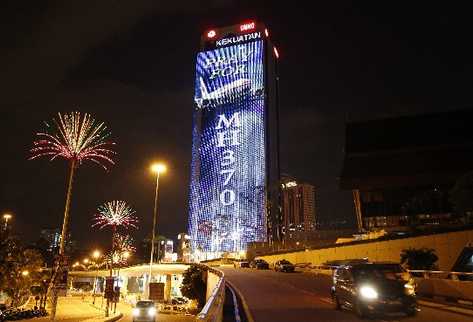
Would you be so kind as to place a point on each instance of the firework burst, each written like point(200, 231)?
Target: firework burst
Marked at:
point(124, 243)
point(115, 213)
point(122, 250)
point(75, 137)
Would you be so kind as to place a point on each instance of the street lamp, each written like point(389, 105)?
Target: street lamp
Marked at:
point(156, 168)
point(25, 273)
point(6, 217)
point(96, 255)
point(86, 260)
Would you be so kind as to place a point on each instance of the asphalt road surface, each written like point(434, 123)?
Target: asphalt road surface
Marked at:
point(127, 316)
point(274, 296)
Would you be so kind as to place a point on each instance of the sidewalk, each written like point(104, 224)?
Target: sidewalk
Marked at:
point(74, 309)
point(446, 306)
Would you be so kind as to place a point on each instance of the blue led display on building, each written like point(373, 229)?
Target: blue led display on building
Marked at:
point(227, 204)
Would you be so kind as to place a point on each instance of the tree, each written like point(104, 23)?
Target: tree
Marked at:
point(421, 259)
point(461, 194)
point(20, 268)
point(194, 285)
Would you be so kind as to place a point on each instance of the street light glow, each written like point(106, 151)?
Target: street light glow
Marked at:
point(158, 168)
point(25, 273)
point(7, 216)
point(96, 254)
point(86, 260)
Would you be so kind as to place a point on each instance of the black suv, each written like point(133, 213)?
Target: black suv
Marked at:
point(374, 288)
point(259, 264)
point(284, 266)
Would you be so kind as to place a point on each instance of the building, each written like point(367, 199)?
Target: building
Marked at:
point(183, 248)
point(401, 170)
point(168, 247)
point(234, 186)
point(52, 238)
point(298, 204)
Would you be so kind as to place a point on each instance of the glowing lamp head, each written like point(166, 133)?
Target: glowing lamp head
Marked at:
point(96, 254)
point(158, 168)
point(211, 34)
point(7, 216)
point(86, 260)
point(25, 273)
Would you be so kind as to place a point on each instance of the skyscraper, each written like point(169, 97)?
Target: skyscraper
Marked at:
point(234, 188)
point(298, 208)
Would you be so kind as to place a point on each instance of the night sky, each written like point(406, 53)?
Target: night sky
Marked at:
point(132, 66)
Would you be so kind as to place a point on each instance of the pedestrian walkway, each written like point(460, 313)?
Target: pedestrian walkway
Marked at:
point(75, 309)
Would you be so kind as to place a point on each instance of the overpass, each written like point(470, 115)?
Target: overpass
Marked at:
point(132, 279)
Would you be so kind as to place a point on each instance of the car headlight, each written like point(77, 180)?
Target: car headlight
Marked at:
point(410, 289)
point(152, 311)
point(368, 292)
point(136, 312)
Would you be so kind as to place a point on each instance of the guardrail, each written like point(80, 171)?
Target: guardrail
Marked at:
point(213, 308)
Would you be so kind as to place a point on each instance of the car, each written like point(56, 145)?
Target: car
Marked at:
point(144, 310)
point(374, 288)
point(241, 264)
point(284, 266)
point(259, 264)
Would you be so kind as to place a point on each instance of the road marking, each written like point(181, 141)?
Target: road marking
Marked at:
point(235, 306)
point(248, 314)
point(326, 300)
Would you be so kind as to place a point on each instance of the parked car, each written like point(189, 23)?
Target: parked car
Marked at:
point(241, 264)
point(374, 288)
point(144, 311)
point(259, 264)
point(284, 266)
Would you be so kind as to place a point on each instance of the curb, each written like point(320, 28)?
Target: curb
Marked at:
point(446, 307)
point(248, 314)
point(114, 318)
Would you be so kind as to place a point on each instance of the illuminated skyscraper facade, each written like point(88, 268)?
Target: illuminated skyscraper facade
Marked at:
point(234, 191)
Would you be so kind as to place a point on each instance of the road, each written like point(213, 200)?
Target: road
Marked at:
point(162, 317)
point(273, 296)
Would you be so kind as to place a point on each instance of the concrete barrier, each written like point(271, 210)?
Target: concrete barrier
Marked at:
point(448, 247)
point(213, 308)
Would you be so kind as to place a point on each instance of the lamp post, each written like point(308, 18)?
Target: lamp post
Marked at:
point(157, 168)
point(96, 256)
point(6, 217)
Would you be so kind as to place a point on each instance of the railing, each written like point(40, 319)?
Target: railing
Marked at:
point(213, 309)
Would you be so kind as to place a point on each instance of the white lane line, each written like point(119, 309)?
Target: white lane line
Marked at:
point(326, 300)
point(235, 305)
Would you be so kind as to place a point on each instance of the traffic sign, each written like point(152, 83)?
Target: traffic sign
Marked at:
point(156, 291)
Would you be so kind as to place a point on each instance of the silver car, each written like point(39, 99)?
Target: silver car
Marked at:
point(144, 311)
